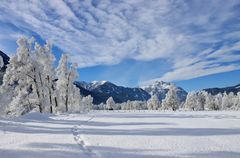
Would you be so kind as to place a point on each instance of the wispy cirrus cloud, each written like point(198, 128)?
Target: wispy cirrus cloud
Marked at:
point(198, 37)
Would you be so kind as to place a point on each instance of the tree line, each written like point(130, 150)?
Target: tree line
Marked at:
point(195, 101)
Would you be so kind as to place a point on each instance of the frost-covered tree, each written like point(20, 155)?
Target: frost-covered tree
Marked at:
point(45, 60)
point(134, 105)
point(87, 103)
point(61, 84)
point(218, 101)
point(237, 102)
point(210, 102)
point(231, 97)
point(128, 105)
point(201, 100)
point(196, 100)
point(227, 101)
point(74, 97)
point(31, 82)
point(171, 100)
point(67, 93)
point(144, 105)
point(153, 103)
point(137, 105)
point(191, 101)
point(24, 74)
point(99, 106)
point(19, 105)
point(110, 103)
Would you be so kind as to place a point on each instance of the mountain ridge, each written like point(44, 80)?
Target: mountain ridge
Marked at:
point(102, 90)
point(235, 89)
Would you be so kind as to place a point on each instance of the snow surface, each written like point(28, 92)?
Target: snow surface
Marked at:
point(145, 134)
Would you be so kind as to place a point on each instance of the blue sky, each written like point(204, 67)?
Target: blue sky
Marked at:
point(195, 44)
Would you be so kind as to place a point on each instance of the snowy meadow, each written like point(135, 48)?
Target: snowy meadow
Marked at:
point(122, 134)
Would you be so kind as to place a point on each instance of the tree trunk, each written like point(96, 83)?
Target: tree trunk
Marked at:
point(50, 94)
point(67, 91)
point(56, 102)
point(37, 91)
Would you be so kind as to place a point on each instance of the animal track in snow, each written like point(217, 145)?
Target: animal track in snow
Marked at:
point(77, 133)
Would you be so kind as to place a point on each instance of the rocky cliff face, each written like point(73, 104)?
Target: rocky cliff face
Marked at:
point(5, 62)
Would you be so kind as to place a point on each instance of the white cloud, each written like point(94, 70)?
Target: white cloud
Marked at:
point(207, 62)
point(196, 71)
point(106, 32)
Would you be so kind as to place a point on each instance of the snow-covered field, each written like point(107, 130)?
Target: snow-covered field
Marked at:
point(122, 135)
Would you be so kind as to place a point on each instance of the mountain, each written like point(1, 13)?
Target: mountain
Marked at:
point(102, 90)
point(92, 85)
point(161, 88)
point(5, 61)
point(97, 97)
point(235, 89)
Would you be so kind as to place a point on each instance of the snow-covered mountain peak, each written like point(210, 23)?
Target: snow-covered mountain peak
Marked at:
point(99, 82)
point(162, 84)
point(91, 85)
point(158, 85)
point(95, 84)
point(160, 88)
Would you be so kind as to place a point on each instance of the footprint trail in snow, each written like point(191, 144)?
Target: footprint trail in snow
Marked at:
point(78, 137)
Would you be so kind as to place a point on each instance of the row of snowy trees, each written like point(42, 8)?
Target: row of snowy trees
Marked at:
point(31, 81)
point(206, 101)
point(195, 101)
